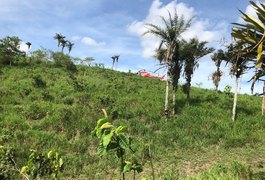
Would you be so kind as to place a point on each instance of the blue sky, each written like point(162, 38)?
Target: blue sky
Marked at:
point(103, 28)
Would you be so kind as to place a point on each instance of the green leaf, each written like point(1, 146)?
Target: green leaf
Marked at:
point(101, 150)
point(106, 125)
point(50, 154)
point(105, 113)
point(124, 141)
point(60, 162)
point(139, 168)
point(107, 138)
point(120, 129)
point(254, 21)
point(101, 122)
point(24, 169)
point(127, 168)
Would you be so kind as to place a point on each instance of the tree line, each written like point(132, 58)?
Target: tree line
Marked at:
point(181, 57)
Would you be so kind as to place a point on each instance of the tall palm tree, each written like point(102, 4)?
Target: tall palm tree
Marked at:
point(115, 59)
point(192, 52)
point(59, 37)
point(218, 58)
point(63, 43)
point(169, 35)
point(238, 68)
point(69, 45)
point(250, 36)
point(28, 44)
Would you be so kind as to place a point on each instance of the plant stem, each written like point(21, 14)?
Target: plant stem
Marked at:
point(151, 162)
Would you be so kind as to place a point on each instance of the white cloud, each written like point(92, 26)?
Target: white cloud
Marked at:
point(23, 47)
point(91, 42)
point(76, 38)
point(200, 28)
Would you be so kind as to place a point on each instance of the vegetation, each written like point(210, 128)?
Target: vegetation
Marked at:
point(250, 39)
point(115, 139)
point(48, 102)
point(170, 36)
point(45, 106)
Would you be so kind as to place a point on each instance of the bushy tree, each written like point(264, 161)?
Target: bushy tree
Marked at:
point(63, 60)
point(9, 50)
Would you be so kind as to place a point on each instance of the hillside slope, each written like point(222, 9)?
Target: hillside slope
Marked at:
point(45, 107)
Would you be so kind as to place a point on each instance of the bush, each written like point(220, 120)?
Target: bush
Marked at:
point(6, 164)
point(62, 60)
point(38, 82)
point(35, 112)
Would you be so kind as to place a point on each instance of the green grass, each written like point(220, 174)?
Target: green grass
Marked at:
point(45, 107)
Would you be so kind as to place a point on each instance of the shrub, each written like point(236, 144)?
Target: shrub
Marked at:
point(62, 60)
point(6, 164)
point(35, 112)
point(38, 82)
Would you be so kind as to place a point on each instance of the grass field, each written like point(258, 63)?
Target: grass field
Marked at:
point(45, 107)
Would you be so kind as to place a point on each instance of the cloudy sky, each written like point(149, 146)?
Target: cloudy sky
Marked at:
point(103, 28)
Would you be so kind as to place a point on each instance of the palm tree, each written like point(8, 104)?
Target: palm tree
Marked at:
point(169, 35)
point(63, 44)
point(28, 44)
point(250, 37)
point(218, 58)
point(69, 45)
point(115, 59)
point(192, 52)
point(59, 37)
point(238, 68)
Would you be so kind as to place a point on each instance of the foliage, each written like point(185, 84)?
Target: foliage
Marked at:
point(217, 58)
point(115, 139)
point(6, 163)
point(168, 51)
point(227, 89)
point(201, 135)
point(63, 60)
point(250, 37)
point(40, 165)
point(9, 50)
point(190, 53)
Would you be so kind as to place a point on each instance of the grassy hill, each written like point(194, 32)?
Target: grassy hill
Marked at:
point(45, 107)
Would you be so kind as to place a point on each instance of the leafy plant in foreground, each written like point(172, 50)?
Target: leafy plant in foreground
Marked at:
point(39, 165)
point(6, 164)
point(115, 139)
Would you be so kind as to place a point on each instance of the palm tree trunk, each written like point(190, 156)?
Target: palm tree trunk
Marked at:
point(235, 101)
point(263, 100)
point(167, 97)
point(188, 86)
point(174, 101)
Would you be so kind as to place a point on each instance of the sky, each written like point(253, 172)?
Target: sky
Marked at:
point(103, 28)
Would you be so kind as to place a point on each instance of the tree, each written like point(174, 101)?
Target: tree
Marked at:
point(238, 67)
point(218, 58)
point(9, 50)
point(59, 37)
point(28, 44)
point(69, 45)
point(63, 44)
point(169, 35)
point(192, 52)
point(115, 59)
point(250, 37)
